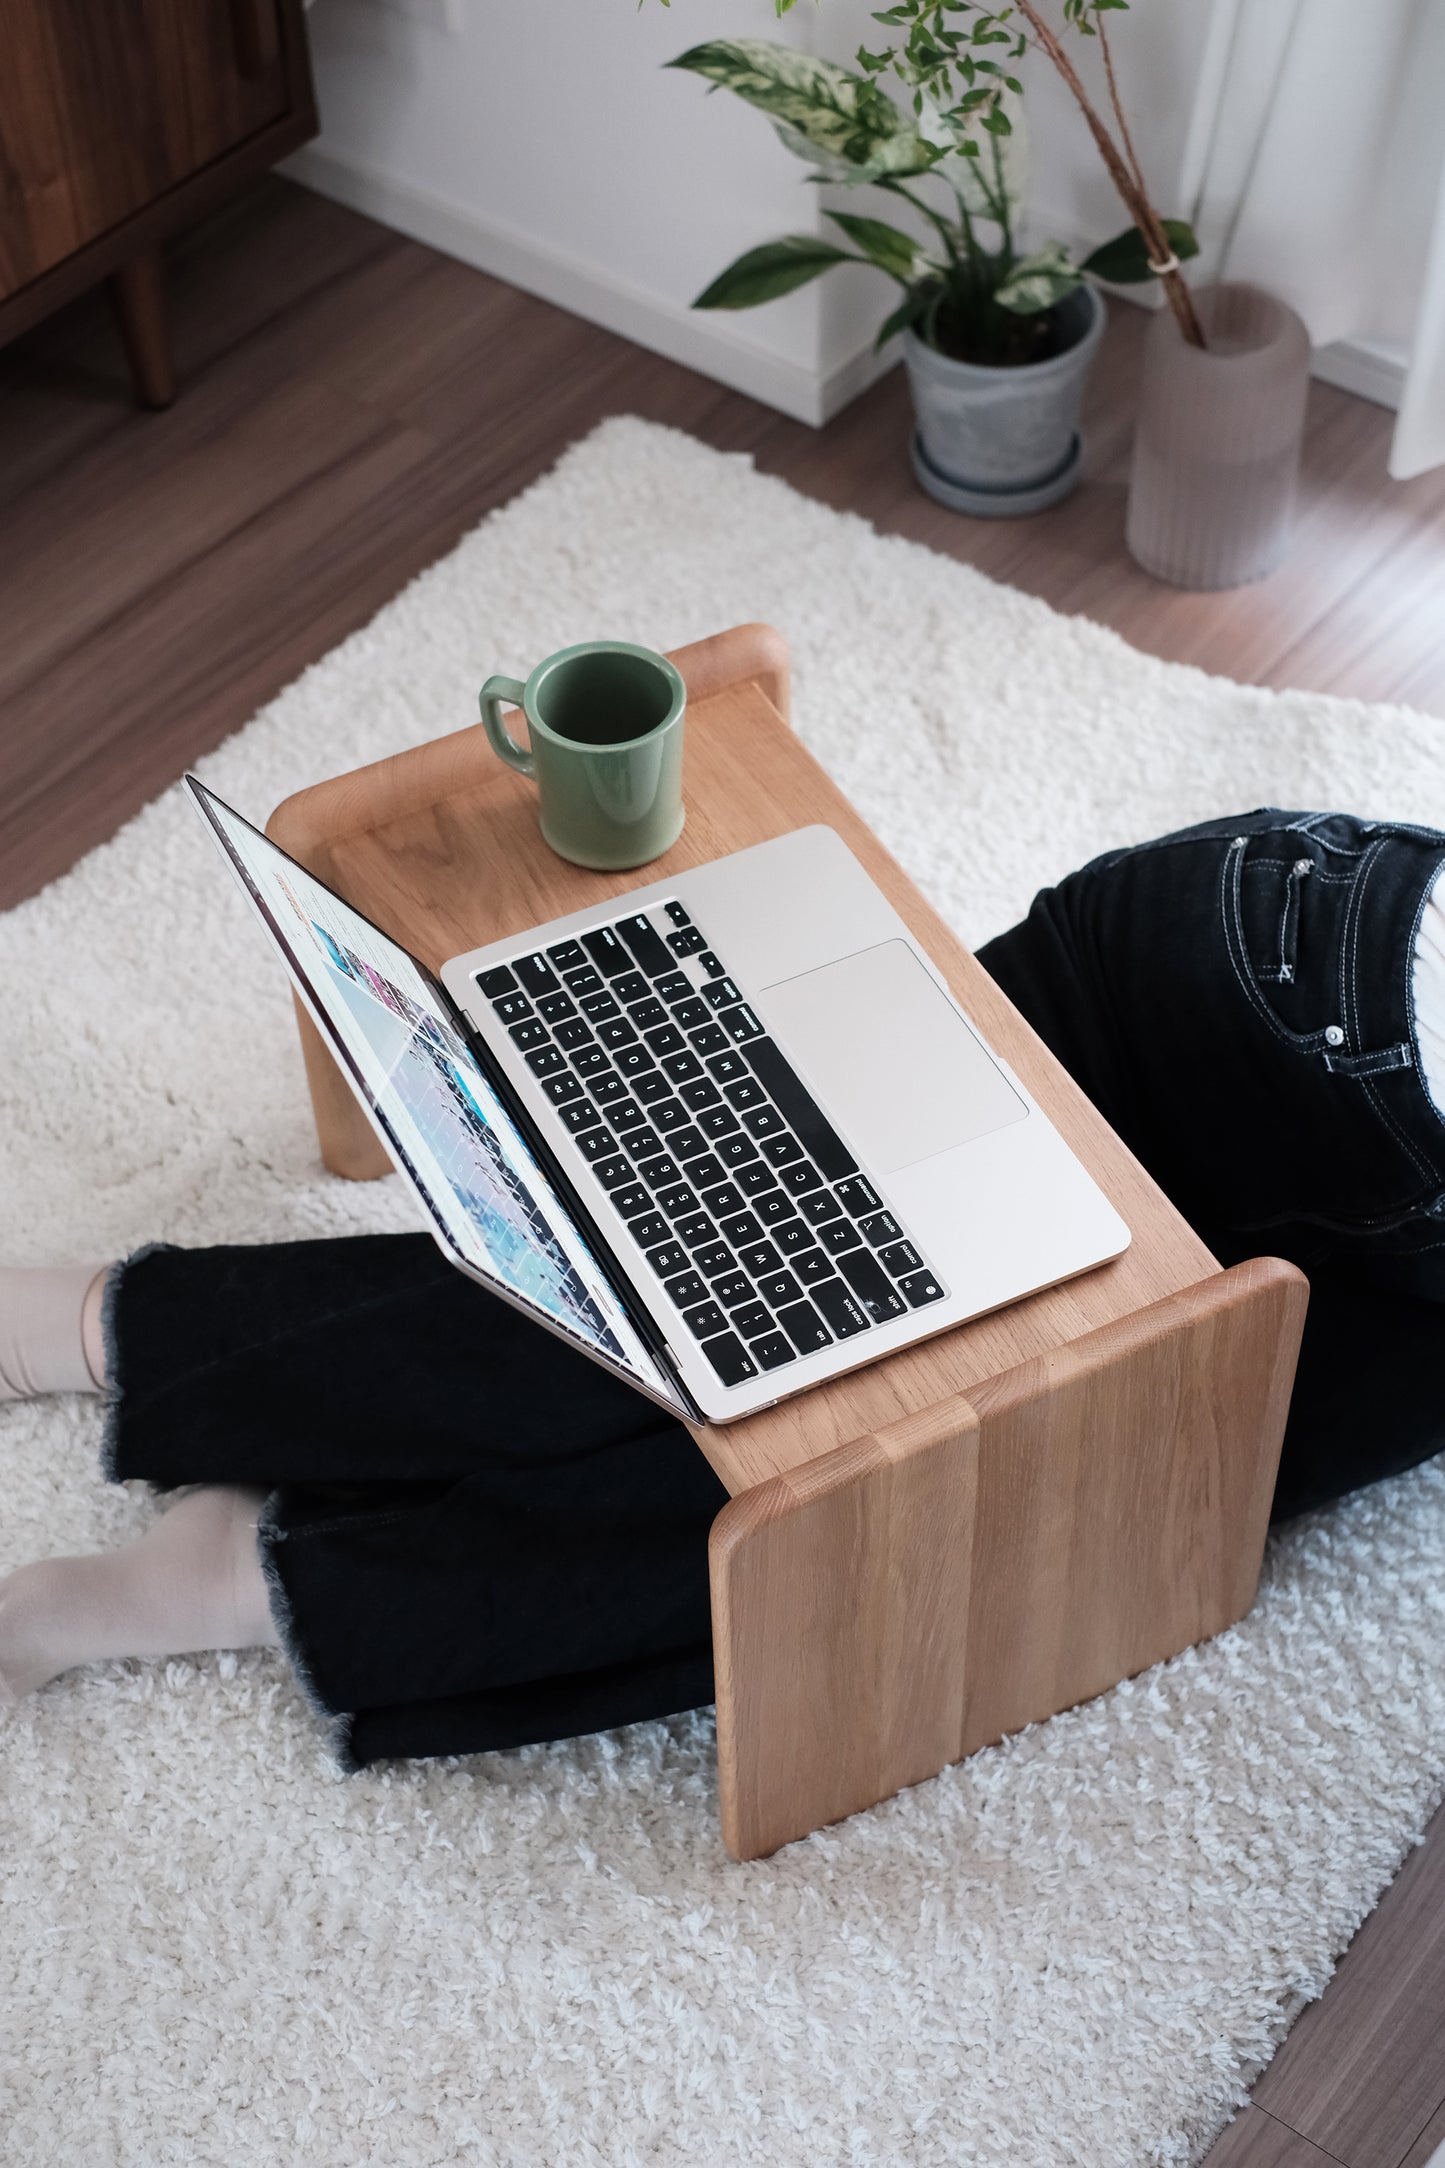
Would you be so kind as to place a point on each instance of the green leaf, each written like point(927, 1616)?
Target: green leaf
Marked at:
point(838, 114)
point(910, 308)
point(766, 273)
point(1038, 281)
point(1124, 261)
point(892, 251)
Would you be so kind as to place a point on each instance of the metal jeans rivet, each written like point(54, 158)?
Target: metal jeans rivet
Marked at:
point(1302, 865)
point(1333, 1035)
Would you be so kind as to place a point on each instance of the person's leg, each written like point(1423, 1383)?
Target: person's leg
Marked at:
point(50, 1331)
point(1237, 1000)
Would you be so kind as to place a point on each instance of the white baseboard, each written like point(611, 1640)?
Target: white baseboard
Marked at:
point(1366, 367)
point(697, 341)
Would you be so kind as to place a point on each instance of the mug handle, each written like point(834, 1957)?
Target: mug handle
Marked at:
point(496, 691)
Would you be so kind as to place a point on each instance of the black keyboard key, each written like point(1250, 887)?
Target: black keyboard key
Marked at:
point(764, 1121)
point(733, 1290)
point(748, 1093)
point(755, 1180)
point(686, 1290)
point(711, 964)
point(683, 1068)
point(647, 946)
point(598, 1007)
point(590, 1061)
point(801, 1177)
point(686, 1142)
point(647, 1015)
point(881, 1227)
point(552, 1008)
point(537, 975)
point(572, 1034)
point(751, 1319)
point(632, 1060)
point(901, 1257)
point(606, 951)
point(741, 1025)
point(821, 1207)
point(678, 1201)
point(560, 1089)
point(859, 1196)
point(728, 1068)
point(772, 1351)
point(715, 1260)
point(709, 1040)
point(779, 1287)
point(678, 913)
point(652, 1090)
point(921, 1287)
point(496, 982)
point(782, 1151)
point(759, 1257)
point(722, 993)
point(566, 955)
point(723, 1197)
point(667, 1258)
point(596, 1143)
point(693, 1013)
point(675, 987)
point(545, 1061)
point(742, 1227)
point(699, 1094)
point(839, 1236)
point(801, 1111)
point(651, 1230)
point(730, 1359)
point(793, 1237)
point(666, 1039)
point(704, 1321)
point(773, 1206)
point(582, 982)
point(632, 986)
point(696, 1230)
point(530, 1032)
point(626, 1113)
point(803, 1326)
point(664, 1173)
point(686, 941)
point(717, 1121)
point(606, 1090)
point(704, 1171)
point(513, 1007)
point(812, 1266)
point(581, 1114)
point(632, 1201)
point(642, 1143)
point(844, 1314)
point(615, 1031)
point(612, 1173)
point(667, 1114)
point(871, 1284)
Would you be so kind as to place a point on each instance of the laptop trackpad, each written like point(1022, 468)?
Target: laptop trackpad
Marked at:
point(892, 1061)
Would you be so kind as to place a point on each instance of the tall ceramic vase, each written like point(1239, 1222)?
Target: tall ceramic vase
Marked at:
point(1216, 450)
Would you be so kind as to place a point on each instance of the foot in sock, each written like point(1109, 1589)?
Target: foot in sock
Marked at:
point(50, 1333)
point(192, 1581)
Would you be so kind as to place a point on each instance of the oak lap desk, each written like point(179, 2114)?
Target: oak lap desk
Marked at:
point(967, 1536)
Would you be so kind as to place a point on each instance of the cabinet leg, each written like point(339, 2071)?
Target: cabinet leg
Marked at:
point(138, 296)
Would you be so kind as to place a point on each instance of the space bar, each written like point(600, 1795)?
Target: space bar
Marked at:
point(798, 1106)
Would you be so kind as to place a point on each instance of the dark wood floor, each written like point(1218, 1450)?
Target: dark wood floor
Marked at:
point(350, 404)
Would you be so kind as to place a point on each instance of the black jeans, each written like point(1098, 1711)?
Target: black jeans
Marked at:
point(477, 1538)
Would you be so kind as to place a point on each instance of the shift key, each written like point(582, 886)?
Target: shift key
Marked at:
point(844, 1314)
point(871, 1284)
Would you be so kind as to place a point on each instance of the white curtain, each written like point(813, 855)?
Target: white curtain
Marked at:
point(1315, 165)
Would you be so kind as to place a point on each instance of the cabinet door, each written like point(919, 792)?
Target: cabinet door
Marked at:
point(106, 104)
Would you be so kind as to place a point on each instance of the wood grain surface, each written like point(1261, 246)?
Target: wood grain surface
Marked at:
point(1257, 2140)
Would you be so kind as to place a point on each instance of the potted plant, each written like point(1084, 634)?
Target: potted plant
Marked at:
point(997, 340)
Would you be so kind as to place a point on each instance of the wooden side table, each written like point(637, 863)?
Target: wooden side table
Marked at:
point(965, 1537)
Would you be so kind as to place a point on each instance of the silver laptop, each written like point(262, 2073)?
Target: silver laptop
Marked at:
point(730, 1134)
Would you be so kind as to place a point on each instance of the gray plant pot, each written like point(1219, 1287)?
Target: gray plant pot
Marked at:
point(1000, 442)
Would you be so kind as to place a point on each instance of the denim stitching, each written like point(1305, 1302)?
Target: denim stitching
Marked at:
point(1305, 1042)
point(1350, 949)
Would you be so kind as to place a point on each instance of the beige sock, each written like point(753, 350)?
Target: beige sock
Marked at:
point(193, 1581)
point(50, 1336)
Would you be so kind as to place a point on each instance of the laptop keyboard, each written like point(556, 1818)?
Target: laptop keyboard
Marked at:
point(768, 1238)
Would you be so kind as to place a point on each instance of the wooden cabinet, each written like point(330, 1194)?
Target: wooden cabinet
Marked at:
point(122, 121)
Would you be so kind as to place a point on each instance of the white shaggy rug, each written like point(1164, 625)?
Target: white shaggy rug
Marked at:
point(1077, 1947)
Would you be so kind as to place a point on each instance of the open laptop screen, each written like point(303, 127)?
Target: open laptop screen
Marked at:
point(487, 1196)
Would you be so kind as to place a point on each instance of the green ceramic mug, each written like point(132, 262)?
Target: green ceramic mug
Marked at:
point(605, 721)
